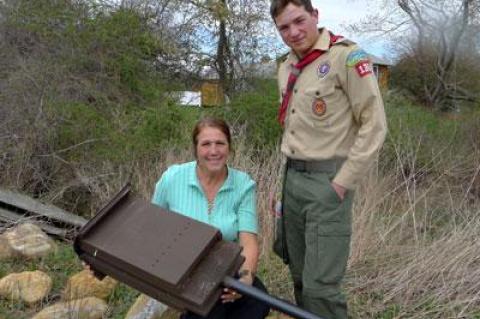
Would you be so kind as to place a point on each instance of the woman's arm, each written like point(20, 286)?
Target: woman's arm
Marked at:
point(250, 251)
point(249, 267)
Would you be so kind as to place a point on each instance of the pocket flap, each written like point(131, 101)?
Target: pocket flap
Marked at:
point(321, 91)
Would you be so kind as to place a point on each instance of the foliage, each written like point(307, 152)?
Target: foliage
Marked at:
point(129, 134)
point(415, 134)
point(432, 38)
point(463, 78)
point(254, 114)
point(78, 81)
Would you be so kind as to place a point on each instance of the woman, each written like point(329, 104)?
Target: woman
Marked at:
point(210, 191)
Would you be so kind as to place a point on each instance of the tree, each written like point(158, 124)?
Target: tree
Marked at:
point(225, 36)
point(69, 72)
point(230, 34)
point(435, 31)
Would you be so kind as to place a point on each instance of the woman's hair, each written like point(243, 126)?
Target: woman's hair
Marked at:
point(210, 122)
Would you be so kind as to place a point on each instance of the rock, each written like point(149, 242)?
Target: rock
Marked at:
point(6, 251)
point(29, 241)
point(29, 286)
point(85, 284)
point(86, 308)
point(170, 314)
point(146, 308)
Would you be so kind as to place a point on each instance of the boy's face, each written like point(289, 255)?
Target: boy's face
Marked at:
point(298, 28)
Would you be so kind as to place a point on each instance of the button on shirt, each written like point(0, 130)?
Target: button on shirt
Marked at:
point(234, 209)
point(337, 110)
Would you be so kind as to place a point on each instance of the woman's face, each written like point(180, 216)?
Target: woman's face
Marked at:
point(212, 150)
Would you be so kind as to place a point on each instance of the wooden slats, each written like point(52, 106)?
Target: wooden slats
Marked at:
point(16, 208)
point(13, 218)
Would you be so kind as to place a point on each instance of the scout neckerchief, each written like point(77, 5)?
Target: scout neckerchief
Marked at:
point(294, 74)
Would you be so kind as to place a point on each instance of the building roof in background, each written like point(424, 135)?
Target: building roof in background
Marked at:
point(379, 61)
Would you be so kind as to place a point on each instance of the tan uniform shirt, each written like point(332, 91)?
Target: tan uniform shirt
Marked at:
point(335, 110)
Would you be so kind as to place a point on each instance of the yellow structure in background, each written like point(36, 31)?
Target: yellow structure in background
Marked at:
point(212, 93)
point(381, 68)
point(383, 76)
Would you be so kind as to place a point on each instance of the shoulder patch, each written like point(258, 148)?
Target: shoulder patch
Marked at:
point(357, 56)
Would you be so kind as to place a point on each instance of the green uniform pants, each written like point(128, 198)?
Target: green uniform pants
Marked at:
point(318, 231)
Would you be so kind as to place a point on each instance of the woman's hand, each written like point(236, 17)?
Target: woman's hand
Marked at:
point(246, 274)
point(229, 295)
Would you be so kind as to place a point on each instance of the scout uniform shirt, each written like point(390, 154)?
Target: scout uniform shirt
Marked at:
point(335, 110)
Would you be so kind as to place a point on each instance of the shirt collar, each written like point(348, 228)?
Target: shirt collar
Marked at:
point(322, 43)
point(194, 182)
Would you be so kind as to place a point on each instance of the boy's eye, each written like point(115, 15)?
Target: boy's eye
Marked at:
point(299, 21)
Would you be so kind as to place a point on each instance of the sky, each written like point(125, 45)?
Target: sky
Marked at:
point(334, 14)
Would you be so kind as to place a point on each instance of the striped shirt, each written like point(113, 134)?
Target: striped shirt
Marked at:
point(234, 208)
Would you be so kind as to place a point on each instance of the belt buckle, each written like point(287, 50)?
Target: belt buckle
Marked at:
point(300, 165)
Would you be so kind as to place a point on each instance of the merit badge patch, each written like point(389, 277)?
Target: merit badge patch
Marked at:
point(323, 69)
point(319, 107)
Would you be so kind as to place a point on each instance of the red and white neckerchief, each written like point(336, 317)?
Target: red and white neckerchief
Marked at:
point(295, 73)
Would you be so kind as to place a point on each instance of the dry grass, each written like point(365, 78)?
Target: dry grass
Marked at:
point(415, 252)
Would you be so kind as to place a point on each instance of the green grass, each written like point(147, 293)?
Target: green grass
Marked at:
point(121, 300)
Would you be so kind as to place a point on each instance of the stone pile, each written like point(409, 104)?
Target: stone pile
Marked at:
point(84, 296)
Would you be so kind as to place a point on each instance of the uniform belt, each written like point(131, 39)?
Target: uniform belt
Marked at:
point(326, 166)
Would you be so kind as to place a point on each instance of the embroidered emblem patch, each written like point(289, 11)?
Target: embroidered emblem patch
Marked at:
point(323, 69)
point(356, 56)
point(363, 68)
point(319, 107)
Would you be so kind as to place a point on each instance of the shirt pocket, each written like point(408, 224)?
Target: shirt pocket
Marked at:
point(321, 101)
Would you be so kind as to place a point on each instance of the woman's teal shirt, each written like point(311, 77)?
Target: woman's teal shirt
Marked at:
point(234, 208)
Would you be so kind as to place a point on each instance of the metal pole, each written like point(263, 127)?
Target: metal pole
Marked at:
point(273, 302)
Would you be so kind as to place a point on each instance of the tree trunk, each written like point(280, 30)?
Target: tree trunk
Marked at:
point(223, 59)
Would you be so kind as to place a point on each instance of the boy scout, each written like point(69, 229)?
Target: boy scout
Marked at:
point(334, 124)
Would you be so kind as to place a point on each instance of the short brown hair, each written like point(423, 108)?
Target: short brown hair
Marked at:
point(277, 6)
point(210, 122)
